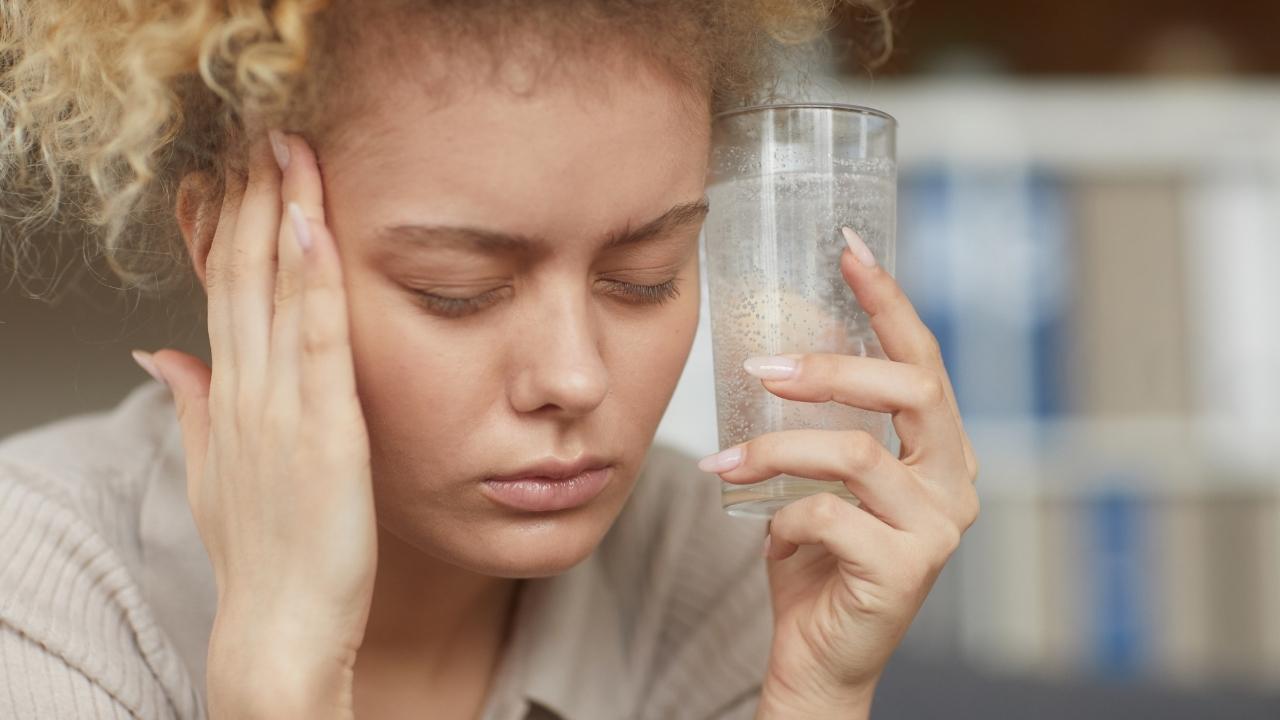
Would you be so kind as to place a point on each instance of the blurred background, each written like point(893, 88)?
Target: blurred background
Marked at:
point(1088, 202)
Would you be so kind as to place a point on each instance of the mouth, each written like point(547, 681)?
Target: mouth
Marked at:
point(550, 484)
point(553, 468)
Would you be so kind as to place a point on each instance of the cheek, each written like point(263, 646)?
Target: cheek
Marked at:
point(419, 385)
point(653, 355)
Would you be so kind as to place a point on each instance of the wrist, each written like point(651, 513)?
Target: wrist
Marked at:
point(274, 671)
point(279, 690)
point(849, 703)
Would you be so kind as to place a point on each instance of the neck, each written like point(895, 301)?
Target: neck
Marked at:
point(434, 637)
point(425, 607)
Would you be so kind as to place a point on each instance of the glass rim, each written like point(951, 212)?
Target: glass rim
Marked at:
point(859, 109)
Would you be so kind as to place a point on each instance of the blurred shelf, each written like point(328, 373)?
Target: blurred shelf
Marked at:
point(1082, 125)
point(1155, 455)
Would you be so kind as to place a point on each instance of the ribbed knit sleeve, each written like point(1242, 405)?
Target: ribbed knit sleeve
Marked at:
point(35, 683)
point(76, 637)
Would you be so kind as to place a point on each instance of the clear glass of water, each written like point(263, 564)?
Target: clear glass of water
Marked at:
point(782, 180)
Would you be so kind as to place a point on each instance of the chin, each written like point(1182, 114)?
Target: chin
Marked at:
point(537, 546)
point(501, 542)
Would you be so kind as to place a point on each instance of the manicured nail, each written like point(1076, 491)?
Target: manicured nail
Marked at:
point(722, 461)
point(279, 147)
point(773, 367)
point(301, 232)
point(768, 540)
point(145, 362)
point(859, 247)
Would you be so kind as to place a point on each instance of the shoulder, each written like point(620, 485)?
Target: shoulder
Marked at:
point(94, 464)
point(74, 625)
point(705, 627)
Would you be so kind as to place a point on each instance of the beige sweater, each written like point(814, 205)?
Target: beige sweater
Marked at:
point(107, 596)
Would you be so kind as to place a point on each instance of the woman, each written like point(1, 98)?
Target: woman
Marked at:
point(444, 245)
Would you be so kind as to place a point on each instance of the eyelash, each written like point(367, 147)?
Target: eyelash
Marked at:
point(458, 307)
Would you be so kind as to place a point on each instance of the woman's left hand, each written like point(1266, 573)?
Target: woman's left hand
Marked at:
point(846, 580)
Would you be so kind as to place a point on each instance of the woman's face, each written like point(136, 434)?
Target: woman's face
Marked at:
point(535, 350)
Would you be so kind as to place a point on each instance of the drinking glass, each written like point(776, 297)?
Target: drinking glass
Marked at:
point(782, 180)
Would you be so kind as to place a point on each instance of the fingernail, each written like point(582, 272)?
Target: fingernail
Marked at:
point(301, 232)
point(145, 362)
point(772, 367)
point(859, 247)
point(768, 540)
point(279, 147)
point(722, 461)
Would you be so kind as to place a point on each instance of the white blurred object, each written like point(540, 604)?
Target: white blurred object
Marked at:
point(690, 421)
point(1233, 256)
point(1079, 126)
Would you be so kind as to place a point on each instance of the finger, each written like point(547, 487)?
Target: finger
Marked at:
point(902, 334)
point(845, 530)
point(188, 378)
point(221, 348)
point(914, 394)
point(250, 270)
point(328, 370)
point(301, 186)
point(884, 486)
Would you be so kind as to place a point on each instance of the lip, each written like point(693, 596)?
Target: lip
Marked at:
point(550, 484)
point(552, 468)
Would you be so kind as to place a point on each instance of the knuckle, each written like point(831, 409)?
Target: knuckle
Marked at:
point(288, 286)
point(318, 340)
point(930, 344)
point(862, 451)
point(786, 516)
point(826, 509)
point(929, 390)
point(949, 539)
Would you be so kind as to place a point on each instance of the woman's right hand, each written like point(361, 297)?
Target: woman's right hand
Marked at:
point(277, 452)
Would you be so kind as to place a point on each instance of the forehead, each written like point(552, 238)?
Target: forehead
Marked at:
point(560, 160)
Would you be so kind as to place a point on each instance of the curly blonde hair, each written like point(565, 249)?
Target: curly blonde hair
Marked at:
point(106, 104)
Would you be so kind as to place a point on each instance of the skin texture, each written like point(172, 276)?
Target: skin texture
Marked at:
point(560, 363)
point(338, 392)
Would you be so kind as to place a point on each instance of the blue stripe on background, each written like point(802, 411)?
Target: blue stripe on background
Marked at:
point(1120, 631)
point(923, 261)
point(1052, 278)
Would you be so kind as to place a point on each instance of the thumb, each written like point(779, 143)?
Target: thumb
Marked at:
point(188, 379)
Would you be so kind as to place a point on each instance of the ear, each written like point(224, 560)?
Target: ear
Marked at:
point(197, 211)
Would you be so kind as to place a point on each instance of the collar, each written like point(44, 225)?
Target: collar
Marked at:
point(567, 649)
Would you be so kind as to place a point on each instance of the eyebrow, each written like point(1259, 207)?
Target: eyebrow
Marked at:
point(492, 241)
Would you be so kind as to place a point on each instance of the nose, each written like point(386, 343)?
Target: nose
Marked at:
point(556, 356)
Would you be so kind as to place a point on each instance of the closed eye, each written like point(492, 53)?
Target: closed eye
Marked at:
point(458, 307)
